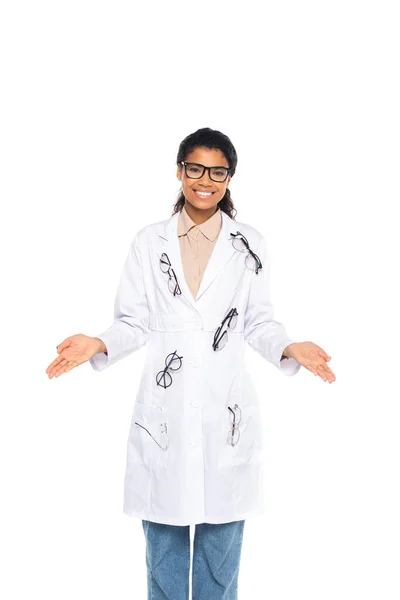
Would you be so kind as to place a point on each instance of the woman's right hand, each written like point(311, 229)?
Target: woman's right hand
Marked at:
point(74, 351)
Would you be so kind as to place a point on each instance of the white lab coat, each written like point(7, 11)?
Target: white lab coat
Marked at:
point(186, 472)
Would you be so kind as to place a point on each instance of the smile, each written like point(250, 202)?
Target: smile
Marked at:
point(203, 194)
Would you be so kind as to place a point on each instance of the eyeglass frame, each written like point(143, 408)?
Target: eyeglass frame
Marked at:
point(167, 366)
point(177, 290)
point(235, 424)
point(232, 313)
point(253, 254)
point(227, 169)
point(165, 430)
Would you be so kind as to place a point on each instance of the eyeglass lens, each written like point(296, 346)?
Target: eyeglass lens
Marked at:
point(233, 436)
point(164, 263)
point(173, 361)
point(220, 342)
point(173, 285)
point(231, 320)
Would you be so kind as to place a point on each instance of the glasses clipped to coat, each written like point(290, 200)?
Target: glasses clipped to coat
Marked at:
point(241, 244)
point(221, 335)
point(173, 362)
point(165, 266)
point(163, 432)
point(235, 418)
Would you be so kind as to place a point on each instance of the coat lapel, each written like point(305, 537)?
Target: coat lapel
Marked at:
point(221, 254)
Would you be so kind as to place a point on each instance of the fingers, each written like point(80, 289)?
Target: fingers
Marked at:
point(316, 363)
point(63, 345)
point(61, 368)
point(54, 364)
point(57, 367)
point(70, 365)
point(323, 354)
point(325, 373)
point(320, 367)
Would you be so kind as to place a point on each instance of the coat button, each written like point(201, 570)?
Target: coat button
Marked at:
point(195, 404)
point(196, 321)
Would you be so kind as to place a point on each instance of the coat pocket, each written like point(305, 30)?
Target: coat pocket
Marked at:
point(240, 435)
point(149, 435)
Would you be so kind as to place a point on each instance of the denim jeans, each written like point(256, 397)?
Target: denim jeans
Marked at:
point(216, 560)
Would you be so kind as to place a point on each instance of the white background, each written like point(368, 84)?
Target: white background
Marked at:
point(95, 99)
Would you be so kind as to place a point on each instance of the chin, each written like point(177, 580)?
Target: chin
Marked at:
point(202, 204)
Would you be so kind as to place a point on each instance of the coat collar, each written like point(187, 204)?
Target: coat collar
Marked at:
point(222, 252)
point(210, 228)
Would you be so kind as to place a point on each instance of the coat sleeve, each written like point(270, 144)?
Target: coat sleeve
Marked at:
point(265, 335)
point(131, 314)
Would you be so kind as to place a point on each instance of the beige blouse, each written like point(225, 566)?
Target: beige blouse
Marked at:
point(197, 243)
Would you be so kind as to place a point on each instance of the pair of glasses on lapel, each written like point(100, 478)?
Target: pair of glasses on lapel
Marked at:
point(242, 245)
point(165, 266)
point(221, 335)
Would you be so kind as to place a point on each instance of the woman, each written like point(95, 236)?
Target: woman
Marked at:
point(194, 288)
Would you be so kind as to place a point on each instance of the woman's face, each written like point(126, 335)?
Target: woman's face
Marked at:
point(215, 189)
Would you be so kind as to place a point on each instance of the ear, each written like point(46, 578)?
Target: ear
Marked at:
point(228, 180)
point(179, 172)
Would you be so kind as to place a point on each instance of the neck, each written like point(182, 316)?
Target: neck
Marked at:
point(199, 215)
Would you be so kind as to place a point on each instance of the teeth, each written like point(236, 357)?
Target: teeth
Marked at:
point(203, 193)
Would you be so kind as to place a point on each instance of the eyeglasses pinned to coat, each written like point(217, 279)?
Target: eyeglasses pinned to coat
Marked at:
point(221, 335)
point(173, 362)
point(165, 266)
point(241, 244)
point(235, 418)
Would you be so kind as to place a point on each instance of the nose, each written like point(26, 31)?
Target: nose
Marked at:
point(206, 178)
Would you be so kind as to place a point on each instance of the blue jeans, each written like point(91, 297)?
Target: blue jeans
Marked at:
point(216, 560)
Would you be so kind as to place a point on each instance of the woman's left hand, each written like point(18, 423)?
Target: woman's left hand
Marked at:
point(312, 357)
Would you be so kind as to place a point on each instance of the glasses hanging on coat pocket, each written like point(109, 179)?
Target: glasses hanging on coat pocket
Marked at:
point(221, 335)
point(241, 244)
point(152, 420)
point(165, 266)
point(163, 434)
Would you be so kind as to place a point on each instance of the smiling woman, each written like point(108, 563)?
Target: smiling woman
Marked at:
point(194, 289)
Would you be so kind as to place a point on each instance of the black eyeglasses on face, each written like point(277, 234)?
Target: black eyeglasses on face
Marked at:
point(196, 171)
